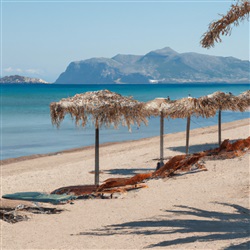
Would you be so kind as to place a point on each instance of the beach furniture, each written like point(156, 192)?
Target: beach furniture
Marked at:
point(225, 101)
point(159, 107)
point(187, 107)
point(40, 197)
point(105, 108)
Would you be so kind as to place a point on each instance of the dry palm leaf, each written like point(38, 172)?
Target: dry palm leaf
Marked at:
point(184, 163)
point(106, 108)
point(224, 101)
point(189, 106)
point(158, 105)
point(223, 26)
point(245, 96)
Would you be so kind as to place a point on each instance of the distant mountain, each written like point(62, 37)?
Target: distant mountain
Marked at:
point(159, 66)
point(21, 79)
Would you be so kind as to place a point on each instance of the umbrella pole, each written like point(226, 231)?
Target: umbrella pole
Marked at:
point(97, 156)
point(219, 126)
point(187, 134)
point(161, 139)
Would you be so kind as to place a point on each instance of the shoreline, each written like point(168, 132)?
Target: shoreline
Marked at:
point(191, 210)
point(197, 131)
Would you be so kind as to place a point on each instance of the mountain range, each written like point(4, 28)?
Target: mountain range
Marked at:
point(158, 66)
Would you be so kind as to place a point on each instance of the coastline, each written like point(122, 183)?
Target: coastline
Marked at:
point(193, 210)
point(34, 133)
point(211, 129)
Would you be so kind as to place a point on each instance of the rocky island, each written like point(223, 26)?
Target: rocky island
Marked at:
point(21, 79)
point(157, 67)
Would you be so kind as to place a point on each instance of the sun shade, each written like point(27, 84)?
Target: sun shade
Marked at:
point(159, 107)
point(105, 107)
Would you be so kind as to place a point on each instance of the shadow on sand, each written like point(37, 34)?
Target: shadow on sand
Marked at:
point(124, 171)
point(215, 225)
point(198, 147)
point(195, 148)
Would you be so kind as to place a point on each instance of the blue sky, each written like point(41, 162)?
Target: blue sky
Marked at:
point(40, 38)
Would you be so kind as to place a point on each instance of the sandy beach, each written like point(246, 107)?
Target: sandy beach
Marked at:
point(201, 210)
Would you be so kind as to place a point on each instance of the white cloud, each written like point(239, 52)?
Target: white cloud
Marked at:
point(23, 71)
point(34, 71)
point(8, 69)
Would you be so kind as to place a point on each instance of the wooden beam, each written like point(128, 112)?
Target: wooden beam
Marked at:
point(97, 156)
point(187, 133)
point(219, 127)
point(161, 140)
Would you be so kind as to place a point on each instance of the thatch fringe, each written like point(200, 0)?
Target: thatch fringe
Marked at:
point(225, 101)
point(190, 106)
point(245, 96)
point(205, 106)
point(158, 105)
point(237, 13)
point(106, 108)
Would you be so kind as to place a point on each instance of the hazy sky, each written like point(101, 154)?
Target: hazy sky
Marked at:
point(40, 38)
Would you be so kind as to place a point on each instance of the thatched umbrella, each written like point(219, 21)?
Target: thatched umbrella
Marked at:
point(105, 108)
point(245, 96)
point(159, 107)
point(223, 101)
point(187, 107)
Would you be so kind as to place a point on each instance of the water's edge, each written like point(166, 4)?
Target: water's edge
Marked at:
point(106, 144)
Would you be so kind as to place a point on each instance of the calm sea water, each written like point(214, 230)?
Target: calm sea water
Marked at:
point(26, 127)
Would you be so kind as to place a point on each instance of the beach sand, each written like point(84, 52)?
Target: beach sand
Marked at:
point(201, 210)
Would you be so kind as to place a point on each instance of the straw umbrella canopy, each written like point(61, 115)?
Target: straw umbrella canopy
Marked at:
point(224, 101)
point(104, 108)
point(245, 96)
point(187, 107)
point(159, 107)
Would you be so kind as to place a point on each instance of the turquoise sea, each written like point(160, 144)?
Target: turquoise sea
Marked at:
point(26, 127)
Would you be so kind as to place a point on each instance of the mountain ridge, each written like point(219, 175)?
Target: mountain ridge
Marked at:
point(157, 66)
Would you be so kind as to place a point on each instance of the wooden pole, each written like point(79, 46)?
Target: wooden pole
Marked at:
point(219, 126)
point(161, 140)
point(97, 155)
point(187, 134)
